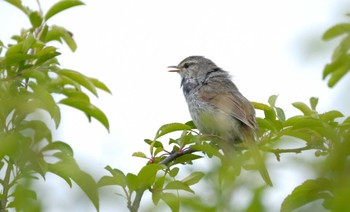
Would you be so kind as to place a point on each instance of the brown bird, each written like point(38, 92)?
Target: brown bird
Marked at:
point(218, 108)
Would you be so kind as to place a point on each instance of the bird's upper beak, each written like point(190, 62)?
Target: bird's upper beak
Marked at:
point(174, 69)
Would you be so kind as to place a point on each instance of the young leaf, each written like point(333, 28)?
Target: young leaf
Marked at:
point(193, 178)
point(336, 31)
point(313, 102)
point(100, 85)
point(88, 109)
point(48, 103)
point(307, 192)
point(60, 6)
point(172, 201)
point(35, 19)
point(79, 78)
point(168, 128)
point(147, 174)
point(59, 145)
point(272, 100)
point(178, 185)
point(139, 154)
point(303, 108)
point(133, 182)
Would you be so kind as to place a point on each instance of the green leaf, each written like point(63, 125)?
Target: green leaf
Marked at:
point(18, 4)
point(68, 169)
point(172, 201)
point(46, 54)
point(307, 192)
point(41, 130)
point(178, 185)
point(48, 103)
point(147, 174)
point(173, 172)
point(266, 124)
point(100, 85)
point(280, 114)
point(79, 78)
point(260, 106)
point(193, 178)
point(139, 154)
point(60, 146)
point(272, 100)
point(331, 115)
point(89, 109)
point(60, 6)
point(133, 182)
point(58, 33)
point(118, 178)
point(187, 158)
point(207, 148)
point(306, 110)
point(313, 102)
point(35, 19)
point(168, 128)
point(336, 30)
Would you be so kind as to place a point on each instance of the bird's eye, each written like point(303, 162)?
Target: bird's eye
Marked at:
point(186, 65)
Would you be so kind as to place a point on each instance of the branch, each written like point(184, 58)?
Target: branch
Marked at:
point(175, 154)
point(277, 152)
point(134, 207)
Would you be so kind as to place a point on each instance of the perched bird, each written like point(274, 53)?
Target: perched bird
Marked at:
point(217, 107)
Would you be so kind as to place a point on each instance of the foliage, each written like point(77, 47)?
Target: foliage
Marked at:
point(32, 85)
point(327, 134)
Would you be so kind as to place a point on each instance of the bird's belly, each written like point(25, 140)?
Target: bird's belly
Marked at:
point(211, 121)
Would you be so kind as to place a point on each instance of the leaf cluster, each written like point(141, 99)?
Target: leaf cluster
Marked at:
point(32, 85)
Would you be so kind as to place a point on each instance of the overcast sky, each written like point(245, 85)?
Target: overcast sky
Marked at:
point(269, 47)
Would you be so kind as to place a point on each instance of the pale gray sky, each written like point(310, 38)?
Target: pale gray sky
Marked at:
point(129, 44)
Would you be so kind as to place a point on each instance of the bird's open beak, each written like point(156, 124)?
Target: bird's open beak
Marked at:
point(174, 69)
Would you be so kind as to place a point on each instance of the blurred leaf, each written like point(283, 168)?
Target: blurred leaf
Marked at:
point(336, 31)
point(100, 85)
point(306, 110)
point(79, 78)
point(178, 185)
point(261, 106)
point(68, 169)
point(280, 114)
point(168, 128)
point(266, 124)
point(18, 4)
point(313, 102)
point(331, 115)
point(88, 109)
point(59, 145)
point(337, 69)
point(207, 148)
point(172, 201)
point(40, 129)
point(133, 182)
point(118, 178)
point(174, 171)
point(307, 192)
point(272, 100)
point(139, 154)
point(342, 48)
point(35, 19)
point(187, 158)
point(58, 33)
point(48, 103)
point(60, 6)
point(147, 174)
point(193, 178)
point(46, 54)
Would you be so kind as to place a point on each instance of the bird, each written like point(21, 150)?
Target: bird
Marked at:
point(218, 108)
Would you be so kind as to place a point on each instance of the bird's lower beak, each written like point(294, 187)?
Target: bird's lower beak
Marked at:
point(174, 69)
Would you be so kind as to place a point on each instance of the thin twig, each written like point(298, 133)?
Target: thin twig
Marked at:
point(175, 154)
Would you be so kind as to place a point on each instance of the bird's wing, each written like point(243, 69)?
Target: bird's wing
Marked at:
point(232, 102)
